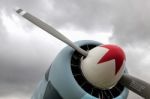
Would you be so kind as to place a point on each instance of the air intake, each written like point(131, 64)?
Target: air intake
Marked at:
point(98, 93)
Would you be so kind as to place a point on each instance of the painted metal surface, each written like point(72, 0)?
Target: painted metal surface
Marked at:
point(62, 79)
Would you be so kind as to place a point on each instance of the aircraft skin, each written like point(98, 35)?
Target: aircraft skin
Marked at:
point(59, 82)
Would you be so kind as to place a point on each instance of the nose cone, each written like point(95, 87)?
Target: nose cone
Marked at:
point(104, 66)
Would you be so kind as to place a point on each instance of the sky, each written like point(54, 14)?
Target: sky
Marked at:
point(26, 51)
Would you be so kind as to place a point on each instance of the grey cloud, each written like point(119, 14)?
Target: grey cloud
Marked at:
point(23, 64)
point(33, 6)
point(135, 60)
point(131, 22)
point(128, 18)
point(3, 32)
point(86, 14)
point(131, 30)
point(134, 63)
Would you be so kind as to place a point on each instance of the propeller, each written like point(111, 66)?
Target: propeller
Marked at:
point(138, 86)
point(89, 64)
point(50, 30)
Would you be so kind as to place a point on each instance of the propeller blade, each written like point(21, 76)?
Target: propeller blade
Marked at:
point(50, 30)
point(136, 85)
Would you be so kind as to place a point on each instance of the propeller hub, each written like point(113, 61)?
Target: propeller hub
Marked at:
point(104, 66)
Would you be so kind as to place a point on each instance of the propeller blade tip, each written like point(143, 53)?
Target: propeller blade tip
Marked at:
point(20, 11)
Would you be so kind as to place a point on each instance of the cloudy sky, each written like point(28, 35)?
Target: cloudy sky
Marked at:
point(27, 51)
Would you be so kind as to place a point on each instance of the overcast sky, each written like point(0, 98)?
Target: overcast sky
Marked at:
point(27, 51)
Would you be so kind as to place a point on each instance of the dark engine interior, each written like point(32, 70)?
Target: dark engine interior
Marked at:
point(89, 88)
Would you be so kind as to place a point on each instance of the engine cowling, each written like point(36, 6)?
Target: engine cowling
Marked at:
point(64, 79)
